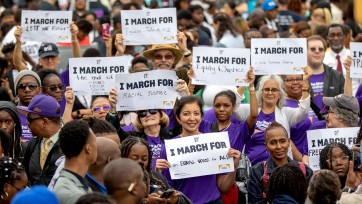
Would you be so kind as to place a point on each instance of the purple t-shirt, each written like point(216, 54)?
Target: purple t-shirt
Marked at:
point(298, 132)
point(317, 82)
point(210, 116)
point(255, 148)
point(26, 134)
point(238, 135)
point(322, 124)
point(199, 190)
point(156, 146)
point(171, 116)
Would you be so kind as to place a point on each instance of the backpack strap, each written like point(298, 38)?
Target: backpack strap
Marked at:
point(302, 167)
point(265, 177)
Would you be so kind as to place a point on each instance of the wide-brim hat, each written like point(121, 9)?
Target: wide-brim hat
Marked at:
point(172, 47)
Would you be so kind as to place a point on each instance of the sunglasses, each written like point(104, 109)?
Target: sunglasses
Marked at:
point(314, 49)
point(160, 57)
point(104, 108)
point(56, 87)
point(30, 119)
point(32, 86)
point(143, 113)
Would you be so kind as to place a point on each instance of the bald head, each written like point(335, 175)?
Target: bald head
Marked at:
point(107, 150)
point(119, 175)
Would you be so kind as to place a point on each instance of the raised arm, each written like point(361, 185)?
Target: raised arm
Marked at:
point(348, 82)
point(75, 44)
point(18, 55)
point(107, 39)
point(69, 97)
point(253, 102)
point(118, 42)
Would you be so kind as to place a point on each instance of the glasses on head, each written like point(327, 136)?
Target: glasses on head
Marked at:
point(293, 80)
point(314, 49)
point(143, 113)
point(160, 57)
point(31, 119)
point(32, 86)
point(56, 87)
point(343, 159)
point(104, 108)
point(268, 90)
point(333, 35)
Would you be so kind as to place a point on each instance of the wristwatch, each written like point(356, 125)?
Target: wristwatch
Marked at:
point(187, 53)
point(347, 190)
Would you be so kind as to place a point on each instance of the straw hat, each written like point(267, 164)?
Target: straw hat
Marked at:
point(172, 47)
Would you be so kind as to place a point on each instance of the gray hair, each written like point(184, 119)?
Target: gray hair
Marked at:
point(260, 86)
point(349, 118)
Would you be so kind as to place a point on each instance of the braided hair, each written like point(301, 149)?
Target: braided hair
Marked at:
point(126, 146)
point(326, 154)
point(280, 183)
point(10, 171)
point(6, 143)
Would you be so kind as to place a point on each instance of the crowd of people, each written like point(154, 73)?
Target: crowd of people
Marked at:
point(58, 147)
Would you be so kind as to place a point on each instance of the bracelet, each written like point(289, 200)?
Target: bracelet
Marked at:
point(347, 190)
point(252, 92)
point(251, 88)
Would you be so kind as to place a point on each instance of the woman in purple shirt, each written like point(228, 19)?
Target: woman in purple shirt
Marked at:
point(202, 189)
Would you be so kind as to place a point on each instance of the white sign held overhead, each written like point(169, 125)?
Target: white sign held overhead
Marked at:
point(46, 26)
point(278, 56)
point(356, 54)
point(220, 66)
point(151, 26)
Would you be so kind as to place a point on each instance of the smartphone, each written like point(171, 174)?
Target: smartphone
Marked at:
point(167, 194)
point(356, 161)
point(105, 28)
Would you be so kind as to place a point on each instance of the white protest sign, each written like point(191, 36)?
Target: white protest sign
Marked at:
point(151, 26)
point(318, 139)
point(199, 155)
point(146, 90)
point(220, 66)
point(95, 75)
point(356, 54)
point(278, 56)
point(46, 26)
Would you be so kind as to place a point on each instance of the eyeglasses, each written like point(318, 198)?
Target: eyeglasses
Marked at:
point(30, 119)
point(32, 86)
point(293, 80)
point(104, 108)
point(343, 159)
point(268, 90)
point(333, 35)
point(55, 87)
point(143, 113)
point(330, 111)
point(314, 49)
point(160, 57)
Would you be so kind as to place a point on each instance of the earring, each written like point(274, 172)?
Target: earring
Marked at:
point(6, 194)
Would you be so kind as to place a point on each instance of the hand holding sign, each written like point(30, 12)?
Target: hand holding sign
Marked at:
point(69, 96)
point(251, 76)
point(235, 154)
point(181, 41)
point(353, 178)
point(17, 33)
point(162, 164)
point(113, 100)
point(347, 63)
point(74, 30)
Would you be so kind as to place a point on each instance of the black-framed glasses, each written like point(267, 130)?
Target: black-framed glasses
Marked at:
point(314, 49)
point(159, 56)
point(31, 85)
point(104, 108)
point(56, 87)
point(293, 80)
point(31, 119)
point(268, 90)
point(143, 113)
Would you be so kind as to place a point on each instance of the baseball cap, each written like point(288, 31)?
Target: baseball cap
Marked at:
point(36, 194)
point(269, 5)
point(265, 30)
point(343, 101)
point(48, 49)
point(43, 105)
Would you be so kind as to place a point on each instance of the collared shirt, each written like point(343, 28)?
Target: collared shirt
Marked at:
point(54, 138)
point(101, 187)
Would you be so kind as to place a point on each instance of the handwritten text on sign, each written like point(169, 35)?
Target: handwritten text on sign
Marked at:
point(278, 56)
point(146, 90)
point(151, 26)
point(199, 155)
point(220, 66)
point(318, 139)
point(95, 75)
point(356, 54)
point(46, 26)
